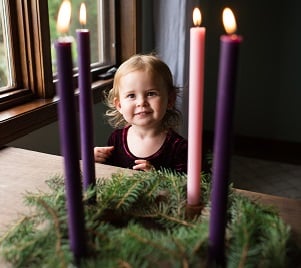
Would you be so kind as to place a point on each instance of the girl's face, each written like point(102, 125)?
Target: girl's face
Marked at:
point(143, 99)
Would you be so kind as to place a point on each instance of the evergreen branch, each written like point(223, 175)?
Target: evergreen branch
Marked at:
point(126, 195)
point(178, 193)
point(164, 216)
point(244, 254)
point(13, 228)
point(153, 189)
point(151, 243)
point(181, 248)
point(139, 221)
point(176, 220)
point(124, 264)
point(198, 245)
point(56, 221)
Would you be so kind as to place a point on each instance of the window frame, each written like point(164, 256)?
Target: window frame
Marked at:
point(29, 82)
point(34, 103)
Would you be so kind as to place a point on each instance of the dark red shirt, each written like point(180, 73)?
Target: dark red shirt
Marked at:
point(171, 155)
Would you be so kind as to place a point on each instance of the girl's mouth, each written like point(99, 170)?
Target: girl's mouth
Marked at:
point(142, 113)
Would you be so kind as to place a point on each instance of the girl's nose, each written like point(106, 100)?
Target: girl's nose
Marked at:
point(141, 101)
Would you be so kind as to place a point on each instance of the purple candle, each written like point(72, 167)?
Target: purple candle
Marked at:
point(221, 151)
point(85, 102)
point(69, 141)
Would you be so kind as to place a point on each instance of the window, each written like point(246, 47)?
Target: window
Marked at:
point(27, 101)
point(100, 25)
point(28, 30)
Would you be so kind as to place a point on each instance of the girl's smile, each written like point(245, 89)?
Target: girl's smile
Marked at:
point(142, 113)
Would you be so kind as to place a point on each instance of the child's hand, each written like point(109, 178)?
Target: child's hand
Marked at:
point(143, 165)
point(102, 153)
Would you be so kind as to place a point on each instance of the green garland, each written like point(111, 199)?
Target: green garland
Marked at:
point(139, 221)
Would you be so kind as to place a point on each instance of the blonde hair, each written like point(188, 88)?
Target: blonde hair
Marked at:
point(156, 67)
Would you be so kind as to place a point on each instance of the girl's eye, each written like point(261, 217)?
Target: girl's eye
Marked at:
point(152, 93)
point(130, 96)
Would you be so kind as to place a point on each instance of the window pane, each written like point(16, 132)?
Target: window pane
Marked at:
point(96, 18)
point(5, 52)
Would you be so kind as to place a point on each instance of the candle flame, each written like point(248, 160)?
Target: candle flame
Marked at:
point(197, 17)
point(82, 14)
point(229, 21)
point(64, 17)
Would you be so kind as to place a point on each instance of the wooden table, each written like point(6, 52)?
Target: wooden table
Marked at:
point(289, 209)
point(23, 170)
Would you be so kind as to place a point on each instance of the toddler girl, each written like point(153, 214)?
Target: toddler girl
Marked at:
point(142, 108)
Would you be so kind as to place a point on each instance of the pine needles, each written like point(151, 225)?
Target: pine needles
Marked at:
point(139, 221)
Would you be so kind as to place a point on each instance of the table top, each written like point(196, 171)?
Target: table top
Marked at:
point(24, 171)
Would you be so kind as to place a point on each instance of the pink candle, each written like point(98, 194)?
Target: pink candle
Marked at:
point(195, 114)
point(85, 102)
point(222, 139)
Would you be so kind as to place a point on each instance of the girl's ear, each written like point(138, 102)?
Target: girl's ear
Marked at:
point(172, 96)
point(117, 104)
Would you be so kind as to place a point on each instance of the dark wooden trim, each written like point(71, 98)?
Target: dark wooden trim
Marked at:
point(128, 20)
point(14, 98)
point(16, 12)
point(110, 33)
point(30, 52)
point(41, 50)
point(21, 120)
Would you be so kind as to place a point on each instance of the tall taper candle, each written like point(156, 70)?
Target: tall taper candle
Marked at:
point(69, 143)
point(85, 102)
point(222, 143)
point(195, 112)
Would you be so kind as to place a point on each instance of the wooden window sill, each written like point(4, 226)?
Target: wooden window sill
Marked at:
point(23, 119)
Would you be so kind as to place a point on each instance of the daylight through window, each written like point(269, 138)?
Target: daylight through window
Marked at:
point(27, 55)
point(5, 51)
point(99, 25)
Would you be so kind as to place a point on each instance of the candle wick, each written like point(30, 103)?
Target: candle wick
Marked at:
point(82, 26)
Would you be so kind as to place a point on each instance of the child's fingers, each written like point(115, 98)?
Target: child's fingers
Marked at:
point(102, 153)
point(143, 165)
